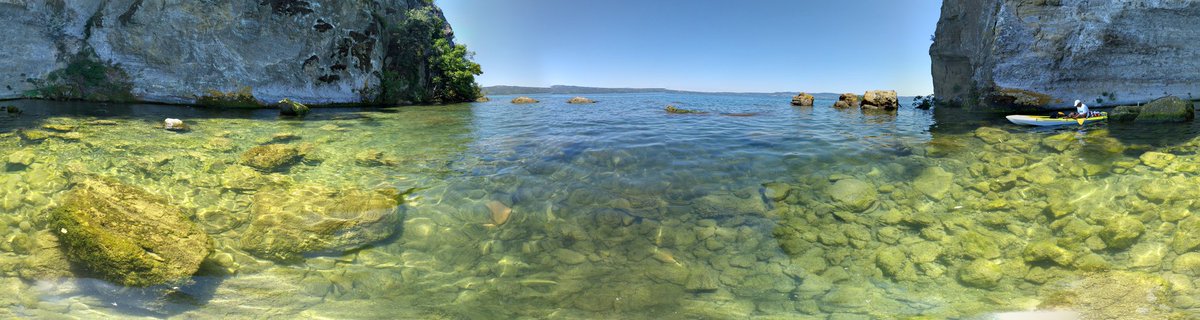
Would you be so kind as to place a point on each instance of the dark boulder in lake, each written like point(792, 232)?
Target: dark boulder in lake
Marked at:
point(881, 99)
point(315, 219)
point(127, 235)
point(1168, 109)
point(802, 100)
point(287, 107)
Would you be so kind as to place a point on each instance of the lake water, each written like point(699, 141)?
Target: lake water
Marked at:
point(618, 209)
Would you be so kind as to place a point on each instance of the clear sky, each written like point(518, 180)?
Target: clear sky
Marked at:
point(701, 45)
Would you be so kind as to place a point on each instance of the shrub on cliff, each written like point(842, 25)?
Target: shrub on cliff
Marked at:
point(423, 65)
point(84, 78)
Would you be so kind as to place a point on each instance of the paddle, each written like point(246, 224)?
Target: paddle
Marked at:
point(1079, 120)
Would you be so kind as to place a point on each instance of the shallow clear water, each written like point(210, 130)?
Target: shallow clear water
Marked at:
point(620, 210)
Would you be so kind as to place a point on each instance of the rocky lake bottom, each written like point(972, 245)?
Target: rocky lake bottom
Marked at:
point(755, 210)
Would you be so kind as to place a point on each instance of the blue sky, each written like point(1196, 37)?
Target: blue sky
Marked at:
point(702, 45)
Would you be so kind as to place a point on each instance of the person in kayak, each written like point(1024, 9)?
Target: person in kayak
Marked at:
point(1081, 111)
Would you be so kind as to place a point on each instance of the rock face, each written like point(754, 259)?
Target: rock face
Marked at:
point(880, 99)
point(128, 236)
point(1052, 52)
point(802, 100)
point(315, 219)
point(173, 51)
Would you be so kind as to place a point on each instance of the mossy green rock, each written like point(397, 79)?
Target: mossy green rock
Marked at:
point(128, 236)
point(981, 274)
point(1188, 263)
point(1124, 113)
point(934, 182)
point(853, 194)
point(271, 157)
point(1122, 232)
point(1157, 160)
point(288, 107)
point(991, 135)
point(319, 220)
point(1047, 251)
point(1169, 109)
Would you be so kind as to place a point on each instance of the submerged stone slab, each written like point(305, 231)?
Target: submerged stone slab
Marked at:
point(314, 220)
point(126, 235)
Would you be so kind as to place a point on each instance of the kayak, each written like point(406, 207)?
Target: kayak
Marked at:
point(1044, 121)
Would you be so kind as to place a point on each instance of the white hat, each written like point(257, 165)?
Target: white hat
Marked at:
point(1077, 102)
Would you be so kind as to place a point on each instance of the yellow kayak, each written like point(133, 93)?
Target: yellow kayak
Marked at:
point(1043, 121)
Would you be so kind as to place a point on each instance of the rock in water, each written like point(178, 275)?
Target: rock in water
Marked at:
point(580, 100)
point(483, 99)
point(847, 100)
point(1124, 113)
point(524, 100)
point(853, 194)
point(802, 100)
point(271, 157)
point(319, 220)
point(287, 107)
point(934, 182)
point(879, 99)
point(1169, 109)
point(174, 125)
point(128, 236)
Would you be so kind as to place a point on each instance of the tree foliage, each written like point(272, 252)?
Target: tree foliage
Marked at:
point(423, 65)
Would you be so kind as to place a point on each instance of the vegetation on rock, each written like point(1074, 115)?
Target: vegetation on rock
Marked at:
point(242, 98)
point(802, 100)
point(288, 107)
point(128, 236)
point(84, 78)
point(423, 65)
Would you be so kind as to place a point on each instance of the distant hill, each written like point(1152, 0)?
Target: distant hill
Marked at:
point(512, 90)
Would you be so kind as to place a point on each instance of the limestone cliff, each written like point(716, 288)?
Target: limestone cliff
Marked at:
point(213, 51)
point(1048, 53)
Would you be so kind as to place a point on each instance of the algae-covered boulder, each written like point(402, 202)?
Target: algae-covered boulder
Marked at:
point(853, 194)
point(981, 274)
point(1168, 109)
point(126, 235)
point(1122, 232)
point(1124, 113)
point(881, 99)
point(847, 100)
point(1047, 251)
point(991, 135)
point(271, 157)
point(934, 182)
point(1157, 160)
point(318, 220)
point(802, 100)
point(288, 107)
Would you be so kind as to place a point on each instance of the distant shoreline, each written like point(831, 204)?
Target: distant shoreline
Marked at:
point(561, 89)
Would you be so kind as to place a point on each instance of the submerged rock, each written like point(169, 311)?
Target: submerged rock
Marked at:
point(1122, 232)
point(1124, 113)
point(319, 220)
point(853, 194)
point(1047, 251)
point(802, 100)
point(128, 236)
point(287, 107)
point(934, 182)
point(524, 100)
point(981, 273)
point(880, 99)
point(271, 157)
point(580, 100)
point(19, 160)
